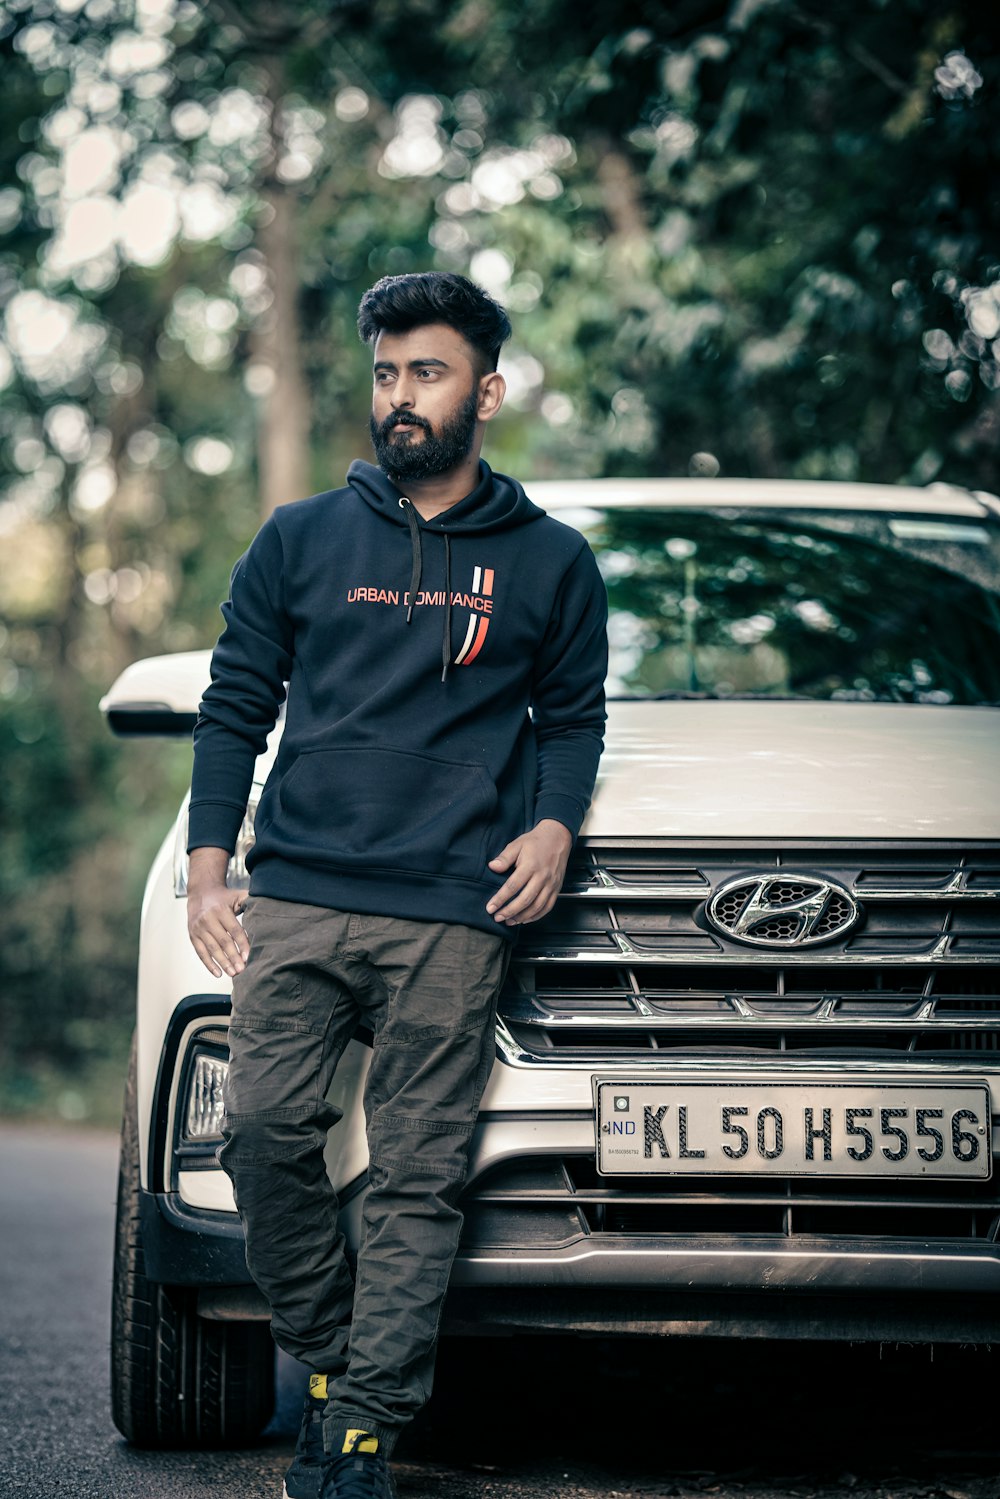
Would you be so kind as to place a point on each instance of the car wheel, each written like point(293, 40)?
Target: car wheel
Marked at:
point(177, 1380)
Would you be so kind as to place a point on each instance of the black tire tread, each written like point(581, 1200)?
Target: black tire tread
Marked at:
point(177, 1380)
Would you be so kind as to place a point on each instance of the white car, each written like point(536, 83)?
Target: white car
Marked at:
point(747, 1072)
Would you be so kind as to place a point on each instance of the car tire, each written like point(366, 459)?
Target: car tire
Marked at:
point(177, 1380)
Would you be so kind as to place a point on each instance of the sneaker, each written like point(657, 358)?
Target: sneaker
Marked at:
point(360, 1471)
point(303, 1479)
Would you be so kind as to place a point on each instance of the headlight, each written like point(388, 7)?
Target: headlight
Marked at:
point(200, 1111)
point(237, 877)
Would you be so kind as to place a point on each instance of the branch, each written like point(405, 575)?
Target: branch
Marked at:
point(860, 53)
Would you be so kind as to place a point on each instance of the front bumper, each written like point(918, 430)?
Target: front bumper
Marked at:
point(811, 1315)
point(183, 1246)
point(872, 1268)
point(643, 1286)
point(845, 1284)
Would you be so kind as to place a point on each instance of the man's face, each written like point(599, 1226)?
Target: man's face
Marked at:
point(425, 405)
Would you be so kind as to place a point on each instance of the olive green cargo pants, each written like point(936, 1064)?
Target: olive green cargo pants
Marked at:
point(428, 990)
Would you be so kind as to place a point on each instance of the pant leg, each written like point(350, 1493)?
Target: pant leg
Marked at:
point(292, 1018)
point(433, 1052)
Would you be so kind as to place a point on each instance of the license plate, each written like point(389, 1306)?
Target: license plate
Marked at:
point(859, 1128)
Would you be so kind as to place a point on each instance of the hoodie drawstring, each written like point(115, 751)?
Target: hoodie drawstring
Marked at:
point(415, 576)
point(446, 637)
point(418, 559)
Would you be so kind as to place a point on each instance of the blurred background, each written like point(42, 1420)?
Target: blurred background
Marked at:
point(751, 238)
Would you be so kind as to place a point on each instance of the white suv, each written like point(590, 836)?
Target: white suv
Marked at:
point(755, 1048)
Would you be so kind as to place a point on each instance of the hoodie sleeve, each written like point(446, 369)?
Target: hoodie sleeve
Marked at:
point(567, 705)
point(250, 666)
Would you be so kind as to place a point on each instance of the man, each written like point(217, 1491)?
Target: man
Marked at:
point(415, 817)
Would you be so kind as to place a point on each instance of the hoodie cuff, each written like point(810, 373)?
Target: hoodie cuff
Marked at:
point(564, 809)
point(214, 825)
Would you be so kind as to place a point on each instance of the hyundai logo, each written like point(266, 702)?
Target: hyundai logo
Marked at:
point(782, 910)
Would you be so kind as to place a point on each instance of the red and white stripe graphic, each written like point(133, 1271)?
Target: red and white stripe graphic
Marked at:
point(482, 582)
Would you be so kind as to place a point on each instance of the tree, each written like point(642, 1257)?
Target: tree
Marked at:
point(753, 238)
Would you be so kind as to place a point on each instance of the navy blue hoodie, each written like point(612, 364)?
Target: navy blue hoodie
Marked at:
point(412, 650)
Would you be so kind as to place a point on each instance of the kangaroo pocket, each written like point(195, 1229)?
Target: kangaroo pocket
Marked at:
point(386, 809)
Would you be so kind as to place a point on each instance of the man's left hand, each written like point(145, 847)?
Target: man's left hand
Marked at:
point(537, 861)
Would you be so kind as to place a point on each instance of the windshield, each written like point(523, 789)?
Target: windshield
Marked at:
point(822, 605)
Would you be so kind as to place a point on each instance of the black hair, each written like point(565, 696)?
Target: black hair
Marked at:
point(396, 304)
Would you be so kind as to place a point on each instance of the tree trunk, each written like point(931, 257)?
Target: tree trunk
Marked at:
point(621, 193)
point(630, 250)
point(284, 426)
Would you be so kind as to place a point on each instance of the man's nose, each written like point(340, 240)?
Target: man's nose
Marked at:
point(401, 395)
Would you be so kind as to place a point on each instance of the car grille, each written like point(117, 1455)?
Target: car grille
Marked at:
point(626, 967)
point(627, 964)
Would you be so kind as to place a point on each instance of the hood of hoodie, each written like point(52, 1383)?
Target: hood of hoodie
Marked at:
point(497, 503)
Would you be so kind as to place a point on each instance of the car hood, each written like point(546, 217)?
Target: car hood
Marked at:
point(770, 770)
point(726, 770)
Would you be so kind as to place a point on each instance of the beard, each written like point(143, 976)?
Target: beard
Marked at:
point(435, 452)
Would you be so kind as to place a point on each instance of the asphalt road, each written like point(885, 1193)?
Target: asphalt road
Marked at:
point(543, 1420)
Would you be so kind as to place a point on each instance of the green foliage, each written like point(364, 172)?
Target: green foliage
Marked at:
point(79, 826)
point(756, 238)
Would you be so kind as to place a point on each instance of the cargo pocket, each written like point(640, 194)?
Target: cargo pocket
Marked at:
point(388, 809)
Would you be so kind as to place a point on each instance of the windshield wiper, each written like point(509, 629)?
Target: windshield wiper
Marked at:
point(686, 695)
point(680, 695)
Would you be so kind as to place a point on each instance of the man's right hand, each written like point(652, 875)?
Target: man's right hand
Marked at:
point(218, 938)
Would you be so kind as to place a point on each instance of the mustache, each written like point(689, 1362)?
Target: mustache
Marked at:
point(403, 419)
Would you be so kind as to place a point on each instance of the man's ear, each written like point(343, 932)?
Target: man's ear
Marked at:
point(492, 389)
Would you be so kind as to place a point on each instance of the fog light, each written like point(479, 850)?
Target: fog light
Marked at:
point(204, 1108)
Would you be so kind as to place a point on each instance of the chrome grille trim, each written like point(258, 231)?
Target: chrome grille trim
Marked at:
point(636, 892)
point(700, 892)
point(924, 1018)
point(590, 878)
point(824, 1061)
point(812, 958)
